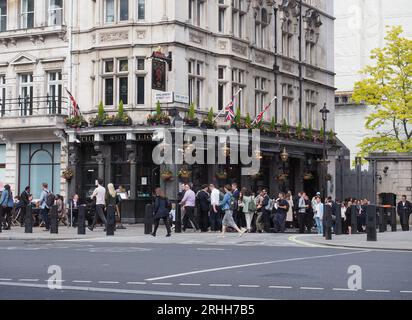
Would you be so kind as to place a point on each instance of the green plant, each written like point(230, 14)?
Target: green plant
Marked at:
point(158, 117)
point(285, 127)
point(321, 134)
point(209, 121)
point(191, 112)
point(309, 133)
point(238, 117)
point(158, 108)
point(120, 110)
point(190, 118)
point(332, 136)
point(248, 121)
point(100, 111)
point(76, 122)
point(272, 126)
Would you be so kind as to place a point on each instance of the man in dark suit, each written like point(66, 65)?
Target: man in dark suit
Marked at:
point(236, 195)
point(404, 212)
point(25, 199)
point(203, 206)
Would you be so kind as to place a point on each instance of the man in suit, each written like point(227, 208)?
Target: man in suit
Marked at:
point(404, 211)
point(236, 195)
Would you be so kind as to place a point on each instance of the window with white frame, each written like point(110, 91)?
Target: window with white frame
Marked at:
point(141, 9)
point(261, 24)
point(141, 80)
point(116, 81)
point(26, 94)
point(221, 87)
point(287, 38)
point(196, 10)
point(116, 10)
point(238, 18)
point(27, 14)
point(238, 82)
point(311, 97)
point(221, 19)
point(261, 95)
point(196, 78)
point(2, 95)
point(55, 12)
point(3, 15)
point(287, 102)
point(54, 92)
point(311, 48)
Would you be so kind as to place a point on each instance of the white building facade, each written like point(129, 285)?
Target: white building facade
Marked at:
point(100, 50)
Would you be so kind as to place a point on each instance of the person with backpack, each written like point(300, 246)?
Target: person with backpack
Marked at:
point(203, 205)
point(228, 205)
point(161, 210)
point(249, 208)
point(46, 201)
point(6, 206)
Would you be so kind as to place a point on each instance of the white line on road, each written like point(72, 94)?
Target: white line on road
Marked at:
point(280, 287)
point(253, 265)
point(343, 289)
point(384, 291)
point(248, 286)
point(219, 285)
point(131, 282)
point(135, 292)
point(406, 291)
point(6, 279)
point(28, 280)
point(210, 249)
point(311, 288)
point(81, 281)
point(109, 282)
point(190, 284)
point(162, 284)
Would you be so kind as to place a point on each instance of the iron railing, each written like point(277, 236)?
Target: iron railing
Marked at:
point(27, 106)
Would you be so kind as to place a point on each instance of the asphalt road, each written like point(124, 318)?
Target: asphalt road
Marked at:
point(177, 271)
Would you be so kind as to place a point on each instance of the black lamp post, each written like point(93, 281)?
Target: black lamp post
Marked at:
point(324, 112)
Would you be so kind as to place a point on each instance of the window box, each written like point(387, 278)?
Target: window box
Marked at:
point(76, 122)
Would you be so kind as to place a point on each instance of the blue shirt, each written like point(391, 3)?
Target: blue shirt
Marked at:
point(225, 204)
point(43, 197)
point(6, 199)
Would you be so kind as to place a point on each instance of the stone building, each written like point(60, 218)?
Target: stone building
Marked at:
point(108, 51)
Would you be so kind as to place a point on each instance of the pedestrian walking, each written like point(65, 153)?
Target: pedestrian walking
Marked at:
point(236, 210)
point(113, 199)
point(61, 210)
point(282, 207)
point(6, 207)
point(47, 199)
point(161, 210)
point(266, 207)
point(248, 207)
point(319, 215)
point(203, 206)
point(309, 214)
point(227, 206)
point(348, 215)
point(289, 216)
point(260, 226)
point(188, 203)
point(302, 212)
point(404, 209)
point(100, 195)
point(215, 221)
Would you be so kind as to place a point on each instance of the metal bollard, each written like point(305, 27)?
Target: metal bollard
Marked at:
point(371, 223)
point(382, 219)
point(338, 222)
point(81, 220)
point(111, 221)
point(354, 220)
point(148, 219)
point(178, 218)
point(393, 219)
point(54, 221)
point(28, 220)
point(328, 222)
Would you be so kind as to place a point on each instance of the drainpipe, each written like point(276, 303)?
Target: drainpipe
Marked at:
point(275, 67)
point(300, 62)
point(70, 59)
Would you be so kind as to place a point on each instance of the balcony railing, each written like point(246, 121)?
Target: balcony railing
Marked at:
point(34, 106)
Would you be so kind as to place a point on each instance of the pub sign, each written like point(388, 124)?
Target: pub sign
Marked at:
point(158, 75)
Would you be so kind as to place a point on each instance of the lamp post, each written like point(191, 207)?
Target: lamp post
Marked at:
point(284, 156)
point(324, 112)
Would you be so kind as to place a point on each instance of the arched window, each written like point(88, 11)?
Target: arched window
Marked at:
point(39, 162)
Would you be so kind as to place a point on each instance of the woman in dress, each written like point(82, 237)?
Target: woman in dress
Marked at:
point(227, 208)
point(289, 215)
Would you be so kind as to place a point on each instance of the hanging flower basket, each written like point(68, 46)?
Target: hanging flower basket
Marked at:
point(282, 177)
point(222, 175)
point(68, 174)
point(308, 176)
point(166, 175)
point(184, 174)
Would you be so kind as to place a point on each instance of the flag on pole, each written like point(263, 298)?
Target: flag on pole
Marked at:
point(259, 118)
point(230, 116)
point(76, 110)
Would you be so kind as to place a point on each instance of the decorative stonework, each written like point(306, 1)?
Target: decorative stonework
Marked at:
point(195, 37)
point(312, 23)
point(310, 73)
point(222, 45)
point(287, 66)
point(237, 48)
point(93, 39)
point(114, 36)
point(258, 5)
point(260, 58)
point(141, 34)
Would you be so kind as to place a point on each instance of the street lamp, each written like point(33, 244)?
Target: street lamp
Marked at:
point(324, 112)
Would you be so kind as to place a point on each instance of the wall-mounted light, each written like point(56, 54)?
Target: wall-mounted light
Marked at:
point(385, 170)
point(284, 155)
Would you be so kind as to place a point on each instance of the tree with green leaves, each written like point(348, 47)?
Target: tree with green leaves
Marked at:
point(158, 108)
point(238, 117)
point(191, 113)
point(387, 89)
point(248, 121)
point(120, 110)
point(100, 111)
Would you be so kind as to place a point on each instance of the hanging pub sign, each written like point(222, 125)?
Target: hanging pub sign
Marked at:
point(158, 75)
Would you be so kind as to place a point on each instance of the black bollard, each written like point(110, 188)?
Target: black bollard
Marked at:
point(371, 223)
point(54, 221)
point(111, 221)
point(28, 220)
point(393, 219)
point(338, 222)
point(327, 215)
point(81, 220)
point(148, 219)
point(354, 220)
point(178, 218)
point(382, 219)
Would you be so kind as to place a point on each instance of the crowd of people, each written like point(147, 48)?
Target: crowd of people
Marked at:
point(210, 209)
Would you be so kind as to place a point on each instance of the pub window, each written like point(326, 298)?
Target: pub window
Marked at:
point(238, 81)
point(141, 8)
point(195, 84)
point(141, 78)
point(116, 81)
point(238, 17)
point(261, 95)
point(311, 98)
point(55, 86)
point(196, 11)
point(124, 10)
point(116, 10)
point(287, 103)
point(27, 14)
point(221, 20)
point(3, 15)
point(55, 12)
point(2, 95)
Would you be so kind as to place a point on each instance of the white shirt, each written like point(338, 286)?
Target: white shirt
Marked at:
point(214, 197)
point(100, 194)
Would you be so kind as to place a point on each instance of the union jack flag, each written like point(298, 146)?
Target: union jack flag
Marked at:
point(230, 116)
point(259, 118)
point(76, 109)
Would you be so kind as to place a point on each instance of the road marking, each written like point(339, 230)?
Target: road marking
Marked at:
point(135, 292)
point(136, 282)
point(190, 284)
point(343, 289)
point(219, 285)
point(6, 279)
point(248, 286)
point(81, 281)
point(28, 280)
point(162, 284)
point(109, 282)
point(252, 265)
point(304, 243)
point(280, 287)
point(210, 249)
point(378, 291)
point(406, 291)
point(311, 288)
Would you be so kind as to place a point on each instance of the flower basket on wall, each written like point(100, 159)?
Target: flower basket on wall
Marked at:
point(68, 174)
point(221, 175)
point(76, 122)
point(166, 175)
point(308, 176)
point(282, 177)
point(184, 173)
